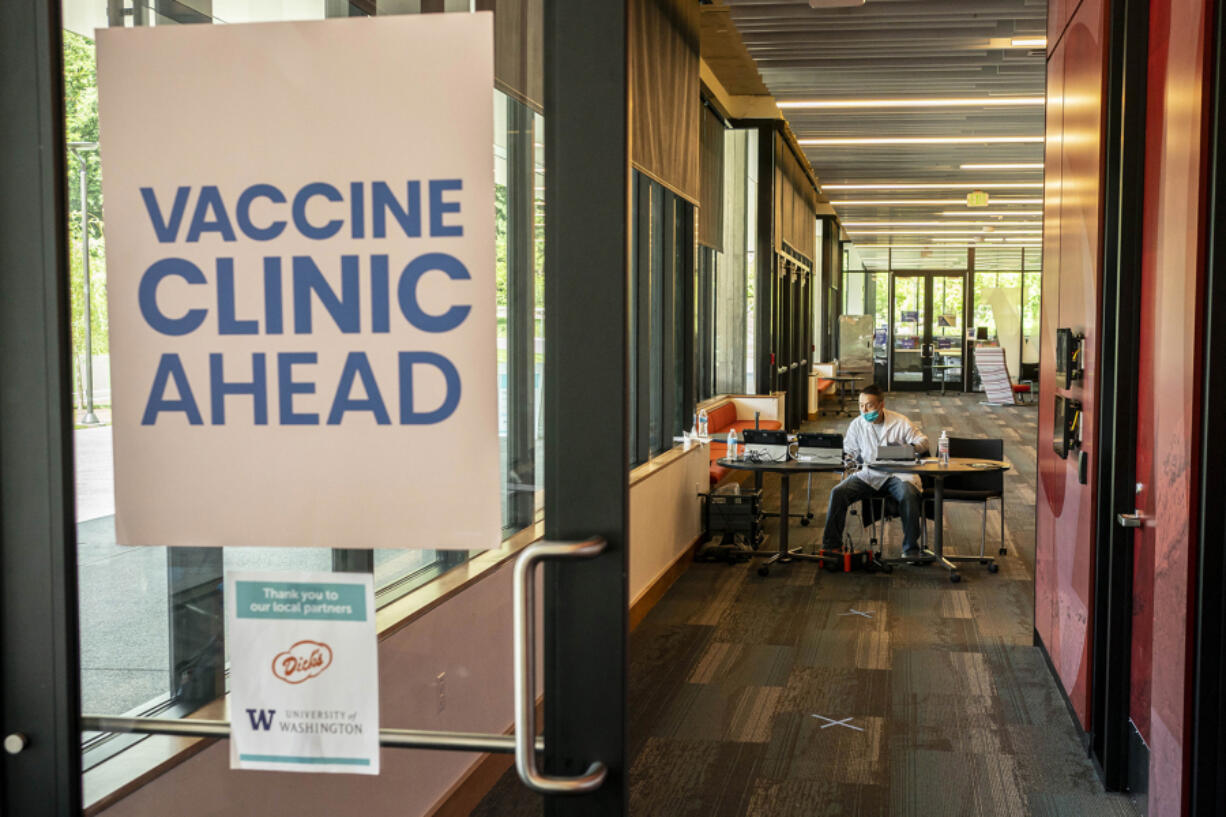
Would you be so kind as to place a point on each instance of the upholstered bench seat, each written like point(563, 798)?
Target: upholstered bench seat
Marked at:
point(736, 412)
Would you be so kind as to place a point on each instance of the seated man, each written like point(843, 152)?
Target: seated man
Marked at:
point(874, 428)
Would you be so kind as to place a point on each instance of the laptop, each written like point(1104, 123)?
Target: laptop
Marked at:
point(764, 446)
point(820, 449)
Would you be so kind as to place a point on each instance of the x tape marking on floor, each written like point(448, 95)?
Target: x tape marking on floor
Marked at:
point(854, 612)
point(829, 722)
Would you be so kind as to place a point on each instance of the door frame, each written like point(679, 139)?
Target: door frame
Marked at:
point(39, 653)
point(586, 604)
point(1208, 728)
point(1117, 753)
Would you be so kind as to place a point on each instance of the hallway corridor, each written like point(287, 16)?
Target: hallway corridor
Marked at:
point(810, 693)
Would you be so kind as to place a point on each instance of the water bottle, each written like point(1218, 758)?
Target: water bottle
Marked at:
point(702, 424)
point(943, 448)
point(731, 445)
point(694, 426)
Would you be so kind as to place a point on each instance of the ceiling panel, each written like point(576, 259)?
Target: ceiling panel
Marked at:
point(898, 49)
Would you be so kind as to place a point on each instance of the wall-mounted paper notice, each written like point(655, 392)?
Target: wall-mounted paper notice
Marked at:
point(304, 690)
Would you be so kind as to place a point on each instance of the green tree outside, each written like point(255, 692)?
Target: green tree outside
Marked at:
point(81, 125)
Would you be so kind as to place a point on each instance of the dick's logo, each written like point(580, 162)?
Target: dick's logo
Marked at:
point(261, 718)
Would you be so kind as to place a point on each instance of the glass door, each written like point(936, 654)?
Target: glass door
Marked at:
point(124, 632)
point(948, 338)
point(927, 344)
point(909, 345)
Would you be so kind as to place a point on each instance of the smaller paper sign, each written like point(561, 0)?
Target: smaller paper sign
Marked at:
point(910, 316)
point(948, 319)
point(304, 692)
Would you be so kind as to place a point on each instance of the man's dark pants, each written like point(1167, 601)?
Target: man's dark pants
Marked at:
point(853, 489)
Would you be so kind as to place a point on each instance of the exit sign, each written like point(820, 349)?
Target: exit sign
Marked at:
point(977, 198)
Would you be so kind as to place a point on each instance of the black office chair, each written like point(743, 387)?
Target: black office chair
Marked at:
point(876, 513)
point(977, 487)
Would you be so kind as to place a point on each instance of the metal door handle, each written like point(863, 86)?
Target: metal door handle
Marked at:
point(524, 621)
point(1130, 520)
point(793, 366)
point(781, 370)
point(15, 743)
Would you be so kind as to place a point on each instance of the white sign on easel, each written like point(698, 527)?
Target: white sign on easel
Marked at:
point(304, 693)
point(299, 221)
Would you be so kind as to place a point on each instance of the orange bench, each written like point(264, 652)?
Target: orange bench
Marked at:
point(730, 414)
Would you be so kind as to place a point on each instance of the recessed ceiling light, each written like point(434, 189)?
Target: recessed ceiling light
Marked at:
point(1028, 42)
point(1005, 166)
point(862, 247)
point(970, 212)
point(940, 224)
point(944, 232)
point(940, 186)
point(836, 141)
point(923, 202)
point(915, 102)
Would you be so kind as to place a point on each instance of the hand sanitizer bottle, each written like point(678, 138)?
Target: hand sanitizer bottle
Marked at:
point(731, 445)
point(943, 448)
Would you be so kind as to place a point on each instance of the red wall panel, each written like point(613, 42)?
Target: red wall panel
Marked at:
point(1049, 503)
point(1168, 378)
point(1168, 417)
point(1071, 285)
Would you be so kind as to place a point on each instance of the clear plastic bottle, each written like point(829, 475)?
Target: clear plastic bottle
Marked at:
point(702, 424)
point(731, 453)
point(943, 448)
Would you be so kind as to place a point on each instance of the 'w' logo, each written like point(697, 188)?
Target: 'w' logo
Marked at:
point(263, 720)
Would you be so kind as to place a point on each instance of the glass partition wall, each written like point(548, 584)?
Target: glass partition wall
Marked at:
point(724, 278)
point(932, 305)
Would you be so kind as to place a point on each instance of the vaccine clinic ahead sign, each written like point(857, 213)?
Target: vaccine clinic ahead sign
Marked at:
point(300, 261)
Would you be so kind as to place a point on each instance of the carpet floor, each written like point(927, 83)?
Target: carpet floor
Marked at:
point(811, 693)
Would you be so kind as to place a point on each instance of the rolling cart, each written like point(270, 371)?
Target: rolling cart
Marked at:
point(733, 524)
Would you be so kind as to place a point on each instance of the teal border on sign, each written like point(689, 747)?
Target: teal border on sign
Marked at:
point(314, 761)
